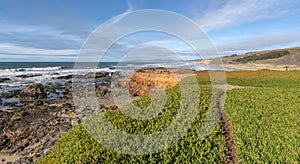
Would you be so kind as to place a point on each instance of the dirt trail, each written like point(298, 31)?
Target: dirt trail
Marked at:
point(230, 149)
point(227, 87)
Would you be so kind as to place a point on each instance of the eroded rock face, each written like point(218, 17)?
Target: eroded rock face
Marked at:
point(145, 81)
point(34, 91)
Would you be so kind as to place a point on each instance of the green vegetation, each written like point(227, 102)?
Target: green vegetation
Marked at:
point(265, 78)
point(266, 82)
point(268, 55)
point(265, 120)
point(77, 146)
point(265, 124)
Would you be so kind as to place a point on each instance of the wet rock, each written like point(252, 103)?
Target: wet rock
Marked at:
point(4, 79)
point(31, 131)
point(15, 93)
point(102, 74)
point(10, 94)
point(55, 73)
point(34, 91)
point(97, 74)
point(27, 76)
point(10, 104)
point(65, 77)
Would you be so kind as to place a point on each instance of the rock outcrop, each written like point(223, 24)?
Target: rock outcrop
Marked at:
point(147, 81)
point(31, 131)
point(65, 77)
point(35, 91)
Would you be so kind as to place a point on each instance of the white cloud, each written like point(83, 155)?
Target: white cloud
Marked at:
point(238, 44)
point(235, 12)
point(27, 51)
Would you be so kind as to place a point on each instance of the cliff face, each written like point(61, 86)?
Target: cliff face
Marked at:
point(147, 81)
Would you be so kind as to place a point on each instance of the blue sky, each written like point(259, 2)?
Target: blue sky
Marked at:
point(54, 30)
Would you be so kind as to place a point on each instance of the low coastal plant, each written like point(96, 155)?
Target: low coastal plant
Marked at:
point(77, 146)
point(265, 123)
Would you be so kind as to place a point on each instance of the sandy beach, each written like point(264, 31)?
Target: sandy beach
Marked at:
point(251, 66)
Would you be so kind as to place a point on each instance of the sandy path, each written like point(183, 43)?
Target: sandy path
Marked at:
point(230, 149)
point(227, 87)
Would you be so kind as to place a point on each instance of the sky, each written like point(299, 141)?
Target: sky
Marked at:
point(55, 30)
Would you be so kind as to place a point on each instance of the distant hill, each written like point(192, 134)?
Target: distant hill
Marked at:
point(268, 59)
point(288, 56)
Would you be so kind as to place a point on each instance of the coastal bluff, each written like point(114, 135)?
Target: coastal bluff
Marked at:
point(151, 80)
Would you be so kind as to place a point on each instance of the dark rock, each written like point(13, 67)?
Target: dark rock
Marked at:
point(10, 104)
point(10, 94)
point(32, 130)
point(34, 91)
point(65, 77)
point(26, 76)
point(102, 74)
point(15, 92)
point(25, 113)
point(4, 79)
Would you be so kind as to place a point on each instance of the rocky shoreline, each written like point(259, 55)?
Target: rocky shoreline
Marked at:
point(31, 127)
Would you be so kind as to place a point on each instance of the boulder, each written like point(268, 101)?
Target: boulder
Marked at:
point(34, 91)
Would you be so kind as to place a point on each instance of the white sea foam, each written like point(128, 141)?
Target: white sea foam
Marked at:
point(50, 74)
point(32, 69)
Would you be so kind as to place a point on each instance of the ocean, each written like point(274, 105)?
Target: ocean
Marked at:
point(22, 74)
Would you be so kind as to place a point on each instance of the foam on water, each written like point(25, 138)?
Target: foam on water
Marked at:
point(49, 74)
